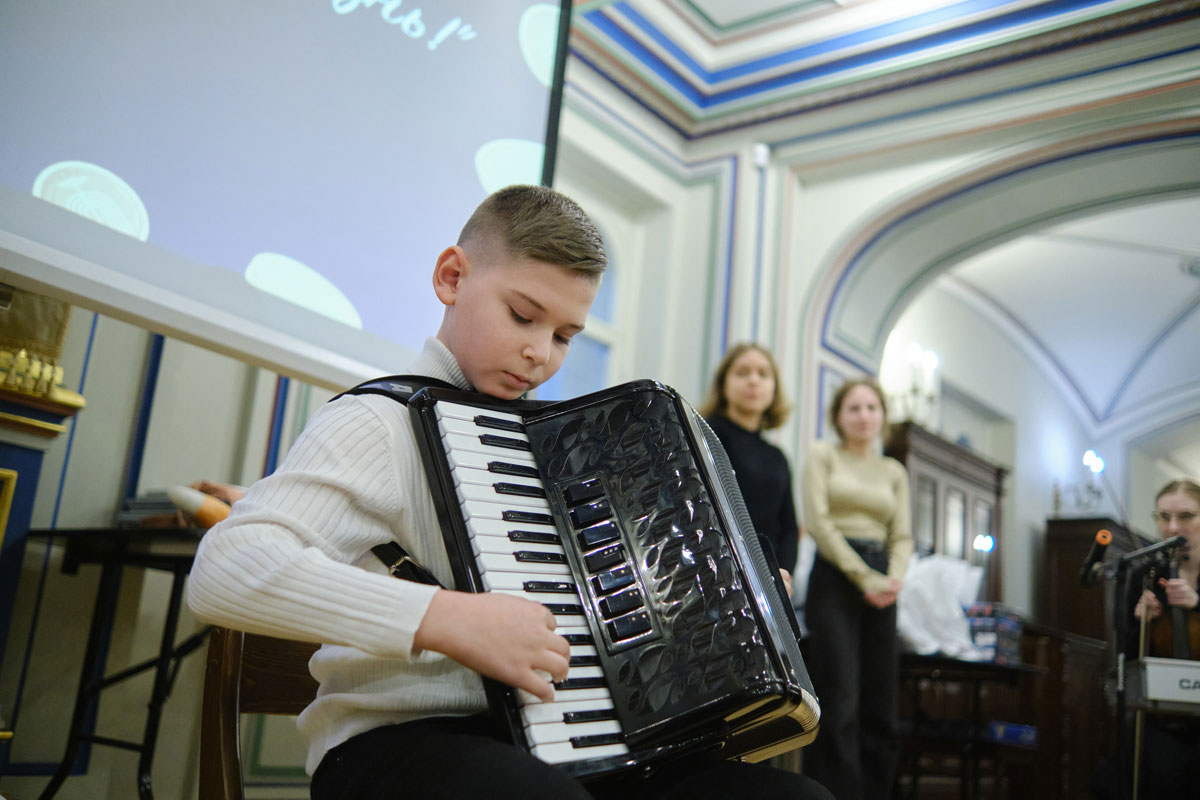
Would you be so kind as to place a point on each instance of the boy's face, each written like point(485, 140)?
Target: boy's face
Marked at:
point(509, 322)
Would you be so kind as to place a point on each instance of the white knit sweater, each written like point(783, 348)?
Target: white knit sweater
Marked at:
point(293, 560)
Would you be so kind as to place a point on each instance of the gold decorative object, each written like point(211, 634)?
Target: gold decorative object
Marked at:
point(32, 330)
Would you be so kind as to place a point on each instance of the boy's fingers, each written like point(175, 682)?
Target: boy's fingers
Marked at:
point(538, 684)
point(554, 665)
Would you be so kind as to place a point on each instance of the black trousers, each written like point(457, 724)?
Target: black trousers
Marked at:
point(853, 659)
point(464, 757)
point(1170, 758)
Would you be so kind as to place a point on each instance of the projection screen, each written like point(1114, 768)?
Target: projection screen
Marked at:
point(271, 179)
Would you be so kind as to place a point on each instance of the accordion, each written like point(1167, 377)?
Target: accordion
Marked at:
point(619, 511)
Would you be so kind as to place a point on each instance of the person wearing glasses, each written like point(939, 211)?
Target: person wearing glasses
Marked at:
point(1177, 513)
point(1170, 746)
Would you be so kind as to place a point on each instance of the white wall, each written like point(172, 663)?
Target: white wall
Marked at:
point(1048, 439)
point(1147, 475)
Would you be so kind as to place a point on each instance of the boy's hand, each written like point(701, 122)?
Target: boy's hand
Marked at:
point(503, 637)
point(226, 492)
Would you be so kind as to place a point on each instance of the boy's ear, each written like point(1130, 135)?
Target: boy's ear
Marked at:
point(448, 273)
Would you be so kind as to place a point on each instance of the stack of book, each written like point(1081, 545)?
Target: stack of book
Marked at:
point(996, 630)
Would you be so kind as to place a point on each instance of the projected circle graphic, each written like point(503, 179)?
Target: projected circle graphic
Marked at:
point(538, 34)
point(299, 283)
point(503, 162)
point(92, 191)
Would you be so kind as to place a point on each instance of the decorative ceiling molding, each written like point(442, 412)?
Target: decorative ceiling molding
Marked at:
point(748, 21)
point(650, 66)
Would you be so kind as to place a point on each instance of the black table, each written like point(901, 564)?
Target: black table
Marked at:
point(915, 669)
point(167, 549)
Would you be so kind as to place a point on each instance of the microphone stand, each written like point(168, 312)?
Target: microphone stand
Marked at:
point(1164, 549)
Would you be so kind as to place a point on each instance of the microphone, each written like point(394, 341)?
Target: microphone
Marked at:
point(1094, 564)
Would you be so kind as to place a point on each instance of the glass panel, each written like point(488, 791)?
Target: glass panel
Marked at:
point(983, 537)
point(585, 370)
point(956, 523)
point(925, 523)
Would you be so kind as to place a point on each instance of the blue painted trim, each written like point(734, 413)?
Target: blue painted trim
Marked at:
point(849, 359)
point(733, 195)
point(1140, 361)
point(705, 100)
point(137, 450)
point(825, 375)
point(820, 48)
point(647, 142)
point(649, 109)
point(62, 475)
point(276, 436)
point(690, 136)
point(977, 98)
point(21, 410)
point(822, 371)
point(854, 262)
point(759, 234)
point(641, 53)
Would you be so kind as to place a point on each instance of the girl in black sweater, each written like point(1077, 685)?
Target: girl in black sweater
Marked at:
point(744, 400)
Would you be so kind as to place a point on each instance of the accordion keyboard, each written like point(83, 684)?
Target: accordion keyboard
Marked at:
point(518, 551)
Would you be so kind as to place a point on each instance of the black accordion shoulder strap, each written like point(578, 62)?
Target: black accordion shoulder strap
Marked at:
point(400, 388)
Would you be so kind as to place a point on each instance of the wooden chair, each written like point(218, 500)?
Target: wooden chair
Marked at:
point(246, 674)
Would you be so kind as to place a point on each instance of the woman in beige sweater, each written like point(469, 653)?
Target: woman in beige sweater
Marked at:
point(856, 507)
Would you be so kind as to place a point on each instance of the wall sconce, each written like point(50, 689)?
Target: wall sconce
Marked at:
point(918, 400)
point(1086, 495)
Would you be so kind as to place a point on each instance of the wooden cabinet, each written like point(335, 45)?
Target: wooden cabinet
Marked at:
point(956, 497)
point(1062, 602)
point(1059, 694)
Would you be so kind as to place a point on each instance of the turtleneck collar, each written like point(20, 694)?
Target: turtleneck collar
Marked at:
point(436, 361)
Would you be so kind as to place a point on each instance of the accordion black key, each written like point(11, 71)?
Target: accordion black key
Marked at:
point(619, 511)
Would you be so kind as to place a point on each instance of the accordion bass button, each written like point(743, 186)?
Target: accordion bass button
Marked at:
point(583, 491)
point(614, 579)
point(622, 603)
point(629, 626)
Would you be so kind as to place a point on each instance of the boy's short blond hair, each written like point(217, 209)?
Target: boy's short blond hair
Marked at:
point(538, 223)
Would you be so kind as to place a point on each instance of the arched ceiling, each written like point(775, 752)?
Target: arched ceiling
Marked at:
point(1111, 301)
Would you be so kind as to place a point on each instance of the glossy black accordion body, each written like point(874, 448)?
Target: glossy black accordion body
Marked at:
point(619, 511)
